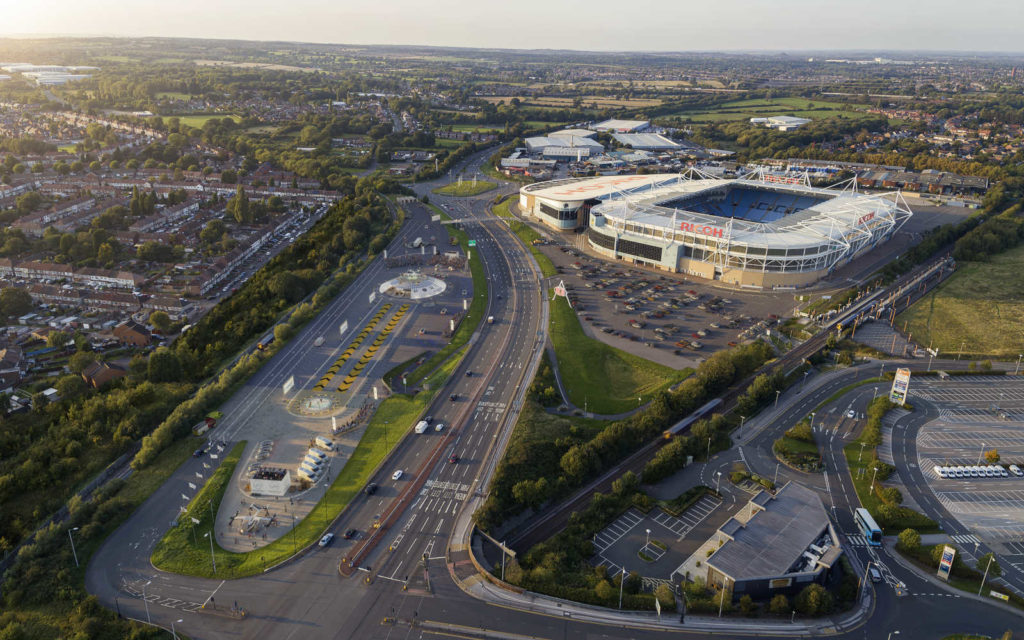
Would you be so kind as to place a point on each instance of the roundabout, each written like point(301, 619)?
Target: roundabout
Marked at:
point(413, 285)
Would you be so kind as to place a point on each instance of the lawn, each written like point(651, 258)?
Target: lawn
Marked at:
point(754, 108)
point(861, 472)
point(467, 188)
point(173, 95)
point(980, 306)
point(604, 379)
point(527, 235)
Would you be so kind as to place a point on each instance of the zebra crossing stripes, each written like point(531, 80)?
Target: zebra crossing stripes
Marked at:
point(856, 540)
point(965, 539)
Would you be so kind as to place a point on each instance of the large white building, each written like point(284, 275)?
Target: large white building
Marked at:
point(758, 231)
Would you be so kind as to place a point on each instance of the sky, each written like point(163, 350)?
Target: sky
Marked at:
point(615, 25)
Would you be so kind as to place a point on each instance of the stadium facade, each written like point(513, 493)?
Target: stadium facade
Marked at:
point(759, 231)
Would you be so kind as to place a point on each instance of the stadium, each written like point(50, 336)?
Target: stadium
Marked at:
point(758, 231)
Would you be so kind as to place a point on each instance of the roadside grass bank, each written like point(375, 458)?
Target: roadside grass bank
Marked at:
point(602, 378)
point(527, 235)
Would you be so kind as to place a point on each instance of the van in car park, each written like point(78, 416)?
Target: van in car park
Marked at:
point(939, 471)
point(326, 443)
point(421, 426)
point(958, 472)
point(316, 453)
point(1015, 470)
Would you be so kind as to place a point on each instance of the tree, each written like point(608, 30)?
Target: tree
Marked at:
point(910, 540)
point(105, 254)
point(891, 495)
point(779, 605)
point(238, 206)
point(213, 231)
point(160, 320)
point(57, 339)
point(228, 176)
point(664, 594)
point(282, 332)
point(28, 202)
point(70, 387)
point(81, 360)
point(15, 301)
point(994, 570)
point(813, 600)
point(992, 456)
point(605, 590)
point(164, 366)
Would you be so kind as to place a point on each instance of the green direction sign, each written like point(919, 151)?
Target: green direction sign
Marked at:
point(472, 243)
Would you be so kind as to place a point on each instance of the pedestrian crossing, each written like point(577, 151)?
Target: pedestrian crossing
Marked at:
point(965, 539)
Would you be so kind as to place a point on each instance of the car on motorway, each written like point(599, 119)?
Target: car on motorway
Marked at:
point(370, 489)
point(850, 414)
point(439, 426)
point(1015, 470)
point(453, 397)
point(397, 475)
point(326, 540)
point(469, 374)
point(351, 533)
point(874, 574)
point(452, 459)
point(428, 419)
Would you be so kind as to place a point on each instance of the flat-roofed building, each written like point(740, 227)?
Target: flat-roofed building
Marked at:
point(622, 126)
point(777, 544)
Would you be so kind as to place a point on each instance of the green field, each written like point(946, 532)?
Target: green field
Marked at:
point(604, 379)
point(759, 108)
point(173, 95)
point(467, 188)
point(198, 121)
point(527, 235)
point(980, 307)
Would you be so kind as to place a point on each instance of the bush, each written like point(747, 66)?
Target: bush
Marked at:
point(891, 495)
point(813, 600)
point(910, 540)
point(779, 605)
point(801, 431)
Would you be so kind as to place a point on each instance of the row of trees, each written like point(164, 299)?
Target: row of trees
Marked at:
point(535, 461)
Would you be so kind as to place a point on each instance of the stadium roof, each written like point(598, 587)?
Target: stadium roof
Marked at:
point(539, 143)
point(623, 126)
point(571, 189)
point(772, 541)
point(646, 141)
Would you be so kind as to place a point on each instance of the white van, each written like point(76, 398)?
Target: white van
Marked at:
point(316, 453)
point(326, 443)
point(312, 463)
point(306, 475)
point(1015, 470)
point(421, 427)
point(311, 473)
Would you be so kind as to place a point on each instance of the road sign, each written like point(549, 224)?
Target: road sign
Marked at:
point(1001, 596)
point(343, 328)
point(946, 563)
point(900, 384)
point(435, 218)
point(471, 243)
point(288, 385)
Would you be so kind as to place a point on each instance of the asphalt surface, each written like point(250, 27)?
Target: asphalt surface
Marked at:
point(308, 598)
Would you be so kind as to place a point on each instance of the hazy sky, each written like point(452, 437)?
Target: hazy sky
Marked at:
point(667, 25)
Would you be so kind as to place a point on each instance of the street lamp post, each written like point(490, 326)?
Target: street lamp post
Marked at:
point(777, 393)
point(812, 421)
point(743, 419)
point(892, 633)
point(213, 559)
point(708, 458)
point(958, 353)
point(1017, 368)
point(776, 481)
point(875, 473)
point(718, 479)
point(173, 633)
point(146, 602)
point(984, 577)
point(648, 543)
point(981, 453)
point(804, 385)
point(73, 552)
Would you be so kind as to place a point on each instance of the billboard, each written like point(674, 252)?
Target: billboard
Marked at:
point(946, 563)
point(900, 384)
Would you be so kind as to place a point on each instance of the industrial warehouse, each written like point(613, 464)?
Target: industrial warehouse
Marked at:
point(759, 231)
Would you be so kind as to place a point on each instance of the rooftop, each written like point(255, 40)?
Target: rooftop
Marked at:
point(773, 540)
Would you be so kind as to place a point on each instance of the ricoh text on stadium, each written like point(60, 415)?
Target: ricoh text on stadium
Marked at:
point(758, 231)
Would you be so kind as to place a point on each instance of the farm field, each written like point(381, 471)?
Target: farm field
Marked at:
point(979, 306)
point(759, 108)
point(198, 121)
point(603, 102)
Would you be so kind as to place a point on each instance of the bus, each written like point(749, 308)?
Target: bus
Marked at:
point(868, 527)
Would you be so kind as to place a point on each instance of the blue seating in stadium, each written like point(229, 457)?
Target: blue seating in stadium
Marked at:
point(748, 204)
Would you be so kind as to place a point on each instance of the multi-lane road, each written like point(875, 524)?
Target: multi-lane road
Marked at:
point(401, 586)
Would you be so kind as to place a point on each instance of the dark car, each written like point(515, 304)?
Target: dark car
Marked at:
point(351, 533)
point(453, 397)
point(371, 489)
point(452, 459)
point(469, 374)
point(198, 453)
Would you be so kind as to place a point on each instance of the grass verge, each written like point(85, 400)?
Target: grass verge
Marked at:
point(605, 379)
point(861, 472)
point(527, 235)
point(467, 188)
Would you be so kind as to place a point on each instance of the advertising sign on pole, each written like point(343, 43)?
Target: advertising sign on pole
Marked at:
point(288, 385)
point(900, 385)
point(946, 563)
